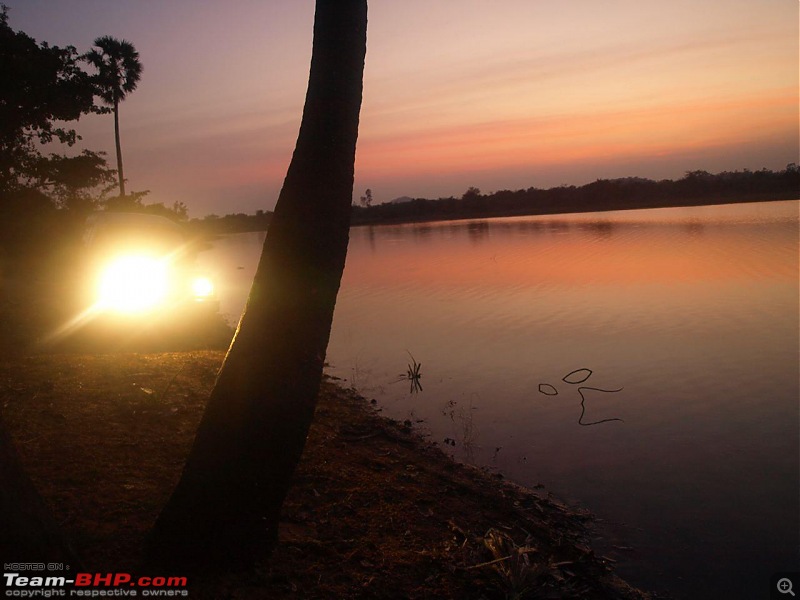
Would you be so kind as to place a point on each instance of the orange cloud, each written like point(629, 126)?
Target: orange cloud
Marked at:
point(647, 130)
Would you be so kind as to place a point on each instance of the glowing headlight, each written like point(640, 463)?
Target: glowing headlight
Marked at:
point(202, 287)
point(133, 283)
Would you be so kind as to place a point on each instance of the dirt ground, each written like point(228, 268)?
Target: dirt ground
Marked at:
point(376, 511)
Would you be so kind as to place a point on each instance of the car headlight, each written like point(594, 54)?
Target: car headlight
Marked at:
point(202, 287)
point(133, 283)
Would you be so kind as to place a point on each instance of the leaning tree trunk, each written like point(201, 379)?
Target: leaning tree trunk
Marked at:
point(28, 532)
point(227, 503)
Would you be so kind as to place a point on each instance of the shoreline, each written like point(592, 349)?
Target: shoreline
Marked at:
point(375, 511)
point(608, 206)
point(206, 231)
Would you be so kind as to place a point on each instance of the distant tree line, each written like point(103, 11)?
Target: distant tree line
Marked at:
point(231, 223)
point(695, 188)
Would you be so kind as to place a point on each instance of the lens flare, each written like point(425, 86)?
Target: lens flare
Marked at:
point(202, 287)
point(133, 284)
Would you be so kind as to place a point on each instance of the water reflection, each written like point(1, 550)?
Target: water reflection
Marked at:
point(422, 231)
point(694, 227)
point(601, 229)
point(692, 309)
point(545, 257)
point(370, 235)
point(477, 231)
point(695, 310)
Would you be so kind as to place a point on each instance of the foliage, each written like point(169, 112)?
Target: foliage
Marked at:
point(118, 68)
point(472, 193)
point(118, 73)
point(413, 375)
point(41, 88)
point(366, 199)
point(133, 203)
point(519, 574)
point(43, 196)
point(696, 187)
point(73, 181)
point(233, 222)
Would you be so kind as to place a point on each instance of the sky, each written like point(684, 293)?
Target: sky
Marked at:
point(496, 94)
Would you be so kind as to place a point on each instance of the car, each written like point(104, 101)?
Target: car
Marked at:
point(140, 277)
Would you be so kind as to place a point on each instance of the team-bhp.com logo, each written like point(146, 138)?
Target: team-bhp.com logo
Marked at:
point(93, 585)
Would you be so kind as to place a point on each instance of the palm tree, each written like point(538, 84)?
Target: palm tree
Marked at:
point(118, 72)
point(227, 504)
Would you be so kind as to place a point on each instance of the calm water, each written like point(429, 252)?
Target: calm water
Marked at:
point(691, 313)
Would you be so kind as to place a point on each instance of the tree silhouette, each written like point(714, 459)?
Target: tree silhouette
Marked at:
point(227, 504)
point(73, 181)
point(43, 91)
point(42, 88)
point(366, 199)
point(118, 72)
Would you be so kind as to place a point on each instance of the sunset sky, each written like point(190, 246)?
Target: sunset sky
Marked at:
point(498, 94)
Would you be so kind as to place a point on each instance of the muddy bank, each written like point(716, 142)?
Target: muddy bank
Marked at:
point(376, 511)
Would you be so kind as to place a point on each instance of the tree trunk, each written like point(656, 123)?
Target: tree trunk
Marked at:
point(28, 532)
point(120, 174)
point(227, 504)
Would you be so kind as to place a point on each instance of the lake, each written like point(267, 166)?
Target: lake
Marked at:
point(642, 364)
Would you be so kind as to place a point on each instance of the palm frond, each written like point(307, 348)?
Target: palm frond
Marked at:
point(118, 67)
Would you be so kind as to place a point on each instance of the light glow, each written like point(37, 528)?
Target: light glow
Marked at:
point(132, 284)
point(202, 287)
